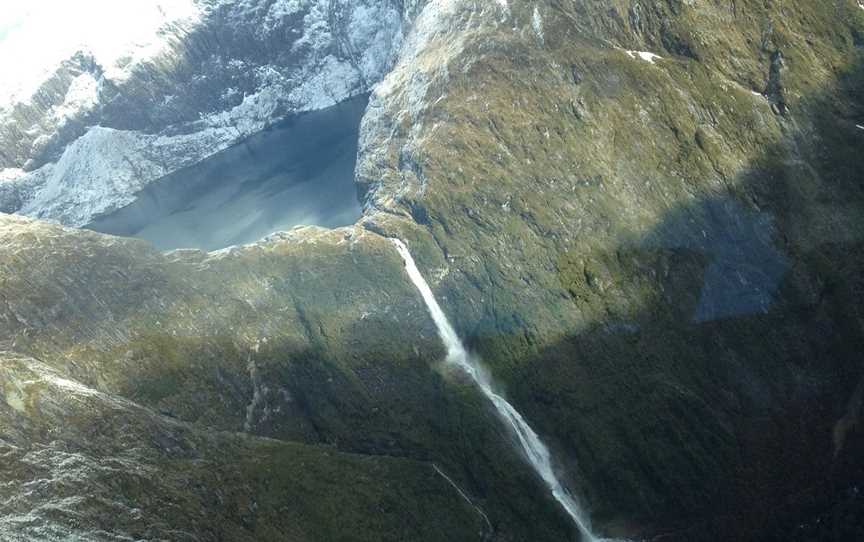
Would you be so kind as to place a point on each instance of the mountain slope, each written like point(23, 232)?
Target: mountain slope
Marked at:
point(82, 465)
point(644, 217)
point(300, 338)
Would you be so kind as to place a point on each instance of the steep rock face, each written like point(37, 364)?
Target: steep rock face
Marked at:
point(646, 217)
point(93, 135)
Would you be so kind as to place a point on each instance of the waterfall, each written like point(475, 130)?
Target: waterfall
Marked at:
point(535, 451)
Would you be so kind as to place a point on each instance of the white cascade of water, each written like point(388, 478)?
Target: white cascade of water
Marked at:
point(536, 452)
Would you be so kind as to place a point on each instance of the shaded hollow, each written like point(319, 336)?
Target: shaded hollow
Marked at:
point(297, 172)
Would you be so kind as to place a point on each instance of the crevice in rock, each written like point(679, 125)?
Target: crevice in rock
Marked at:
point(489, 531)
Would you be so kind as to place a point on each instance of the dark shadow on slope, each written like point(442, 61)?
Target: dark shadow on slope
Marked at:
point(378, 403)
point(94, 457)
point(728, 404)
point(727, 424)
point(744, 267)
point(297, 172)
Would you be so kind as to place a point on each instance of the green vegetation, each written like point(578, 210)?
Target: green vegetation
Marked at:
point(570, 204)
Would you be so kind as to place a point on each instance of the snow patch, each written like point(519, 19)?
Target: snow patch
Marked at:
point(278, 12)
point(644, 55)
point(81, 98)
point(9, 174)
point(537, 23)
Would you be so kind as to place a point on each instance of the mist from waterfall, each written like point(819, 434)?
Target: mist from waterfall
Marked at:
point(535, 451)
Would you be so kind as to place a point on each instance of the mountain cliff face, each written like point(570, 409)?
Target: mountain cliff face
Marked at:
point(644, 214)
point(644, 217)
point(92, 135)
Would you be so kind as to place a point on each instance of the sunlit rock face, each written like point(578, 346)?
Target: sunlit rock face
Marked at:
point(97, 127)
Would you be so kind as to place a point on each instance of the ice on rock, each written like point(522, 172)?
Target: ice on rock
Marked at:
point(644, 55)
